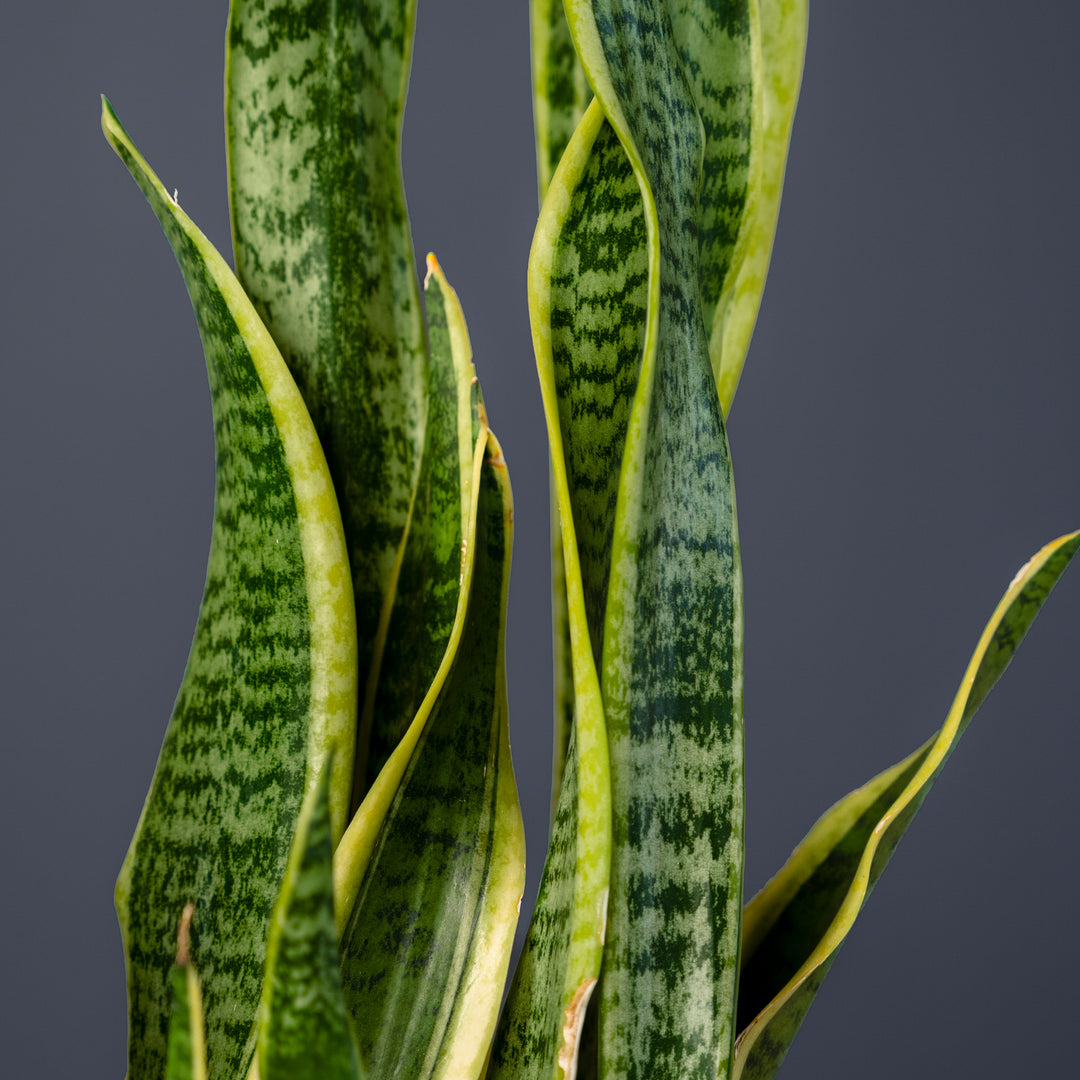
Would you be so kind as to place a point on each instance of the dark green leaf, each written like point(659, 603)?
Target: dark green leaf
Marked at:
point(270, 687)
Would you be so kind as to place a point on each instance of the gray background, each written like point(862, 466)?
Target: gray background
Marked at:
point(904, 438)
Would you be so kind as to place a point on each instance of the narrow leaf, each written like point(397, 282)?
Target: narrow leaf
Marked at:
point(560, 90)
point(560, 96)
point(270, 687)
point(428, 943)
point(796, 924)
point(540, 1032)
point(426, 582)
point(671, 672)
point(777, 66)
point(303, 1027)
point(315, 95)
point(186, 1054)
point(427, 618)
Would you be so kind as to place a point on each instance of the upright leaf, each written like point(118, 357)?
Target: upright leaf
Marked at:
point(185, 1057)
point(303, 1027)
point(427, 578)
point(560, 96)
point(796, 924)
point(315, 95)
point(777, 65)
point(427, 946)
point(430, 599)
point(541, 1030)
point(560, 90)
point(671, 675)
point(270, 687)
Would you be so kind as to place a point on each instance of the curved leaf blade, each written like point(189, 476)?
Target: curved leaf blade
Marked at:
point(560, 91)
point(323, 248)
point(303, 1027)
point(269, 693)
point(427, 618)
point(426, 581)
point(777, 65)
point(426, 949)
point(671, 673)
point(796, 924)
point(540, 1033)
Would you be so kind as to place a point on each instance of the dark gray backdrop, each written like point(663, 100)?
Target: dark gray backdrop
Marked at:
point(904, 437)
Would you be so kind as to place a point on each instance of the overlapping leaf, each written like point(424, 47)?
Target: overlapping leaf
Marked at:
point(795, 925)
point(426, 948)
point(315, 96)
point(560, 96)
point(270, 687)
point(303, 1027)
point(671, 672)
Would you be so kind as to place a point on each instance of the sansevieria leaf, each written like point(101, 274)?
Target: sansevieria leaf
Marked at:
point(186, 1054)
point(795, 925)
point(269, 694)
point(560, 96)
point(303, 1027)
point(427, 619)
point(777, 64)
point(671, 670)
point(315, 97)
point(427, 946)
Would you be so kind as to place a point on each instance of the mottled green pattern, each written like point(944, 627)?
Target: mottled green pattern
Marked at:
point(671, 681)
point(795, 926)
point(713, 39)
point(315, 93)
point(412, 945)
point(255, 716)
point(303, 1027)
point(560, 96)
point(560, 90)
point(426, 593)
point(777, 51)
point(529, 1035)
point(598, 289)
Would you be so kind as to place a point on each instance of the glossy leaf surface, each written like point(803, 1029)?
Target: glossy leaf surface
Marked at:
point(427, 946)
point(270, 687)
point(427, 618)
point(796, 924)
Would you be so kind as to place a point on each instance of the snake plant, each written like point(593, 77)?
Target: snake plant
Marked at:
point(326, 877)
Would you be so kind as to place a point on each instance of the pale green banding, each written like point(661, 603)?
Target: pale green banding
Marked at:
point(303, 1029)
point(778, 65)
point(427, 944)
point(269, 691)
point(670, 681)
point(472, 1021)
point(539, 1032)
point(353, 853)
point(796, 924)
point(315, 97)
point(423, 603)
point(560, 96)
point(717, 41)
